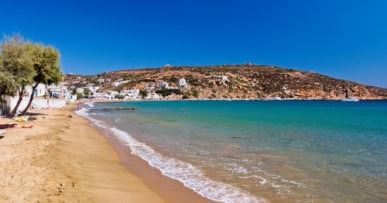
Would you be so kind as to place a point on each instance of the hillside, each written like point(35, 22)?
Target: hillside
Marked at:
point(233, 82)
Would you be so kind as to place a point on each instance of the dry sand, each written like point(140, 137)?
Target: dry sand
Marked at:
point(63, 159)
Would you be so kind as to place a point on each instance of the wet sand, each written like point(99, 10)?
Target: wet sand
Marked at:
point(65, 159)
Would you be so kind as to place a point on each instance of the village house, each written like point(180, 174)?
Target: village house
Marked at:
point(57, 91)
point(172, 87)
point(71, 98)
point(115, 84)
point(152, 96)
point(222, 78)
point(182, 83)
point(103, 96)
point(162, 84)
point(40, 90)
point(132, 93)
point(150, 86)
point(79, 90)
point(92, 88)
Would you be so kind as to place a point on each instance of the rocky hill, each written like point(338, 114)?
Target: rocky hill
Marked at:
point(246, 81)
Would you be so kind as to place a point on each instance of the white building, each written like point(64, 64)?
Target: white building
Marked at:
point(182, 83)
point(152, 96)
point(132, 93)
point(71, 98)
point(103, 95)
point(101, 80)
point(172, 88)
point(162, 84)
point(115, 84)
point(113, 93)
point(150, 86)
point(223, 78)
point(40, 90)
point(92, 88)
point(79, 90)
point(59, 90)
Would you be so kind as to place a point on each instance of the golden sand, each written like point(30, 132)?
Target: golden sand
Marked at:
point(63, 159)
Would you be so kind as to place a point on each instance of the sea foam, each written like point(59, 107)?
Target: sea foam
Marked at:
point(184, 172)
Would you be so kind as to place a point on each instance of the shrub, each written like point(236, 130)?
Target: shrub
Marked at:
point(195, 93)
point(173, 79)
point(80, 95)
point(166, 92)
point(118, 96)
point(143, 93)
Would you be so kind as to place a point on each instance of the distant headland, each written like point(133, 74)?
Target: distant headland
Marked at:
point(245, 81)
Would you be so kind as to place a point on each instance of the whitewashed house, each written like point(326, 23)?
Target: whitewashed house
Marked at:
point(59, 90)
point(223, 78)
point(93, 89)
point(172, 87)
point(40, 90)
point(162, 84)
point(113, 93)
point(115, 84)
point(182, 83)
point(79, 90)
point(132, 93)
point(152, 96)
point(71, 98)
point(150, 86)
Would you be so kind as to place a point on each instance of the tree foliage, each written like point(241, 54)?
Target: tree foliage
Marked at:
point(16, 63)
point(46, 64)
point(16, 67)
point(143, 93)
point(118, 96)
point(86, 92)
point(24, 63)
point(45, 61)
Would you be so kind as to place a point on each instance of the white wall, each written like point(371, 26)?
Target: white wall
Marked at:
point(37, 103)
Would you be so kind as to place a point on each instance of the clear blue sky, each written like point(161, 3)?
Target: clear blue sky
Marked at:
point(345, 39)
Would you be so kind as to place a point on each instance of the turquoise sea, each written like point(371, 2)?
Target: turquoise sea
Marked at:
point(251, 151)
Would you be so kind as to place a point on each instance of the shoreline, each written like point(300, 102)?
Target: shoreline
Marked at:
point(251, 99)
point(184, 175)
point(169, 189)
point(63, 159)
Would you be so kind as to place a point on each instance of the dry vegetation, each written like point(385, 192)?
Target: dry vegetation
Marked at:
point(244, 81)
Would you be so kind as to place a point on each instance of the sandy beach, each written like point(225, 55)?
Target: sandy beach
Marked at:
point(63, 159)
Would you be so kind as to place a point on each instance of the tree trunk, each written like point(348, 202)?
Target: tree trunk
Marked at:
point(13, 113)
point(31, 98)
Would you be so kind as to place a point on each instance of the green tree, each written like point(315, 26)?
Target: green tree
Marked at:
point(17, 66)
point(86, 92)
point(46, 65)
point(195, 93)
point(80, 95)
point(118, 96)
point(7, 84)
